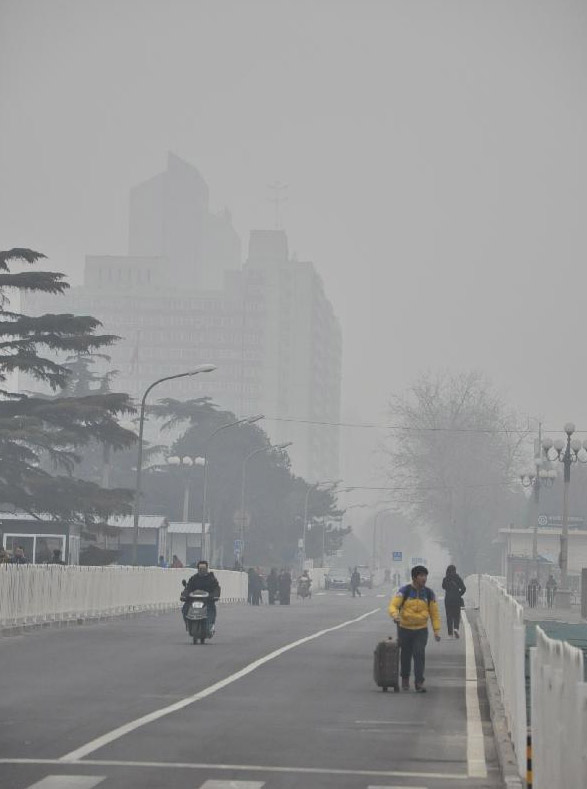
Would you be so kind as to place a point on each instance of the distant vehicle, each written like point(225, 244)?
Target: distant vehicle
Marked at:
point(337, 579)
point(366, 576)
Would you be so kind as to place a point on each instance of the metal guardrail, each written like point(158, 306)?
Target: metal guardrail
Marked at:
point(559, 714)
point(37, 594)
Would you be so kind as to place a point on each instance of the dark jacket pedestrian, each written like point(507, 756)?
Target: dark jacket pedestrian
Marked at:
point(533, 592)
point(284, 586)
point(272, 583)
point(256, 587)
point(18, 556)
point(454, 589)
point(551, 588)
point(355, 582)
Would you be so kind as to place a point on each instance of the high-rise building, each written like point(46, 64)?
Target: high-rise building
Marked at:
point(268, 325)
point(170, 218)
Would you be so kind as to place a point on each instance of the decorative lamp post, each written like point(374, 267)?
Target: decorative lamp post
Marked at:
point(567, 452)
point(202, 368)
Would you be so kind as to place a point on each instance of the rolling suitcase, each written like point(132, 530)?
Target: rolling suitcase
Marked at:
point(386, 664)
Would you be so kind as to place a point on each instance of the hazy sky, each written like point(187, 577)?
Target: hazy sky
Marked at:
point(436, 156)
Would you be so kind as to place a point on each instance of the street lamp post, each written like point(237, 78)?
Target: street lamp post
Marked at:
point(315, 486)
point(375, 520)
point(203, 368)
point(567, 452)
point(249, 420)
point(243, 489)
point(536, 478)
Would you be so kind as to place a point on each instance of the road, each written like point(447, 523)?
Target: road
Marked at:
point(282, 697)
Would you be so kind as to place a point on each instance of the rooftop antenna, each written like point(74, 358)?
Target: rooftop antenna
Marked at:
point(278, 198)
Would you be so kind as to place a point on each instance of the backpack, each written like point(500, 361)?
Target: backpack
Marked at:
point(405, 594)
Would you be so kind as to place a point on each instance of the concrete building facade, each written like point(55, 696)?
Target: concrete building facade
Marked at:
point(268, 325)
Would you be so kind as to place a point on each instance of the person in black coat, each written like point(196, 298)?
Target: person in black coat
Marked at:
point(206, 581)
point(454, 588)
point(284, 587)
point(272, 581)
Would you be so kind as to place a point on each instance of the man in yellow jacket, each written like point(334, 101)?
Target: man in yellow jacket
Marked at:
point(411, 608)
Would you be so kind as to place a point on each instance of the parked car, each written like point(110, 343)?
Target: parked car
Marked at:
point(366, 576)
point(337, 579)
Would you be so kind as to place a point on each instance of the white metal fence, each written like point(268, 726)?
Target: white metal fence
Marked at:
point(559, 714)
point(37, 594)
point(503, 620)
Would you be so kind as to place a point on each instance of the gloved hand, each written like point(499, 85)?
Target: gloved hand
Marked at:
point(437, 636)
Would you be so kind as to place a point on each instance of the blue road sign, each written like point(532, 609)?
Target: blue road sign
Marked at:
point(397, 556)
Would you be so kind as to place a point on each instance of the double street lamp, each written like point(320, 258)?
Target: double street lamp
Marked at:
point(243, 514)
point(249, 420)
point(315, 486)
point(537, 478)
point(567, 452)
point(202, 368)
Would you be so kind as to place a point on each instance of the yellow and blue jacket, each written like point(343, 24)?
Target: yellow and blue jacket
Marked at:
point(414, 607)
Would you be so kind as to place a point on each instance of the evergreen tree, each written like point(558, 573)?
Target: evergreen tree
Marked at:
point(34, 429)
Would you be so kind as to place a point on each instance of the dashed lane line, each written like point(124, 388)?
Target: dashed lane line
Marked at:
point(121, 731)
point(233, 785)
point(68, 782)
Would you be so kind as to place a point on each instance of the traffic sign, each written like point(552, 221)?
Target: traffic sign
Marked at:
point(398, 556)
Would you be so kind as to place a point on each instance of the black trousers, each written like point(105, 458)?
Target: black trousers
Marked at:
point(413, 645)
point(453, 617)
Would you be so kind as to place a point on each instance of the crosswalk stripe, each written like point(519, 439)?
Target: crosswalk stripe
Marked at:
point(397, 787)
point(233, 785)
point(68, 782)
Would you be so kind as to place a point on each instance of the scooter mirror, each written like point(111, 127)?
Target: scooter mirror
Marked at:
point(184, 582)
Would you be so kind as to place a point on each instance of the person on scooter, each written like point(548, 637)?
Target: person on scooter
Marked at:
point(206, 581)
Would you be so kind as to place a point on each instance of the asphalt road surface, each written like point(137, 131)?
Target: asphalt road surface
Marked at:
point(282, 697)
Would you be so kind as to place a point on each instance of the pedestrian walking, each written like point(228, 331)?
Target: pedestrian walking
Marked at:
point(272, 581)
point(355, 582)
point(533, 592)
point(411, 608)
point(284, 587)
point(454, 588)
point(551, 588)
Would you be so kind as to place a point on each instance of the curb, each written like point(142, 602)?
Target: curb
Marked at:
point(505, 750)
point(77, 621)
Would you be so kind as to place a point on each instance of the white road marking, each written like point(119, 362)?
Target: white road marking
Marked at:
point(233, 785)
point(69, 782)
point(121, 731)
point(256, 768)
point(382, 595)
point(397, 787)
point(476, 764)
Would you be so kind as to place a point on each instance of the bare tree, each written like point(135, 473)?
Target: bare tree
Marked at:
point(452, 453)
